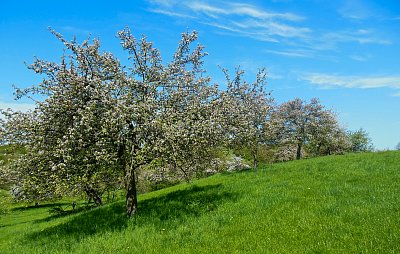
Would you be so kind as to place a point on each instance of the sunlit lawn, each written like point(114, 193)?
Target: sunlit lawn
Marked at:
point(335, 204)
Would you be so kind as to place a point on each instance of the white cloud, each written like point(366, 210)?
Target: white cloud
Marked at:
point(251, 11)
point(233, 30)
point(206, 8)
point(331, 81)
point(275, 76)
point(356, 10)
point(284, 30)
point(273, 30)
point(171, 13)
point(292, 53)
point(241, 19)
point(75, 30)
point(329, 41)
point(167, 3)
point(254, 12)
point(360, 58)
point(252, 21)
point(241, 9)
point(361, 36)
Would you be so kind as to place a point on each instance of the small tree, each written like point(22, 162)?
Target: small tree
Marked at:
point(247, 108)
point(360, 141)
point(301, 123)
point(398, 146)
point(327, 135)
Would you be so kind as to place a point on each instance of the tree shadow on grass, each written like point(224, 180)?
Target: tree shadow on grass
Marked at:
point(24, 208)
point(169, 210)
point(174, 208)
point(28, 216)
point(60, 211)
point(106, 218)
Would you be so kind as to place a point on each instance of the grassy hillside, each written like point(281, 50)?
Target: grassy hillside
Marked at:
point(335, 204)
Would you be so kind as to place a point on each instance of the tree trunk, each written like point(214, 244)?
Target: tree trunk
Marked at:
point(130, 179)
point(298, 153)
point(131, 194)
point(255, 157)
point(92, 194)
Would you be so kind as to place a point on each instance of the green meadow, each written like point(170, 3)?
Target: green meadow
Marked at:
point(332, 204)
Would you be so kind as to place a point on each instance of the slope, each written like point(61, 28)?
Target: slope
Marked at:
point(334, 204)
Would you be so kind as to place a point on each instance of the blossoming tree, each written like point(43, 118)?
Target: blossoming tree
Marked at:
point(100, 122)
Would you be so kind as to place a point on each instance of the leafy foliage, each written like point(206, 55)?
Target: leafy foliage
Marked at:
point(300, 123)
point(360, 141)
point(247, 108)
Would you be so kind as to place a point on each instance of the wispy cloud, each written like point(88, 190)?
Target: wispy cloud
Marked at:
point(331, 81)
point(241, 19)
point(249, 20)
point(241, 9)
point(76, 30)
point(172, 13)
point(362, 36)
point(293, 53)
point(360, 58)
point(166, 3)
point(356, 10)
point(328, 41)
point(275, 76)
point(275, 28)
point(207, 8)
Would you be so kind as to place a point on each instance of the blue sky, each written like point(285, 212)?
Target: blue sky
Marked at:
point(345, 52)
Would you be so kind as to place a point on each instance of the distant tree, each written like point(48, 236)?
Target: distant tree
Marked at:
point(247, 109)
point(398, 146)
point(328, 137)
point(340, 143)
point(302, 123)
point(360, 141)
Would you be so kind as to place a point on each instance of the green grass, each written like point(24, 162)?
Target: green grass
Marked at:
point(335, 204)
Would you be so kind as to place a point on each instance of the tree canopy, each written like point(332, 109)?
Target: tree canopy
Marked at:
point(100, 121)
